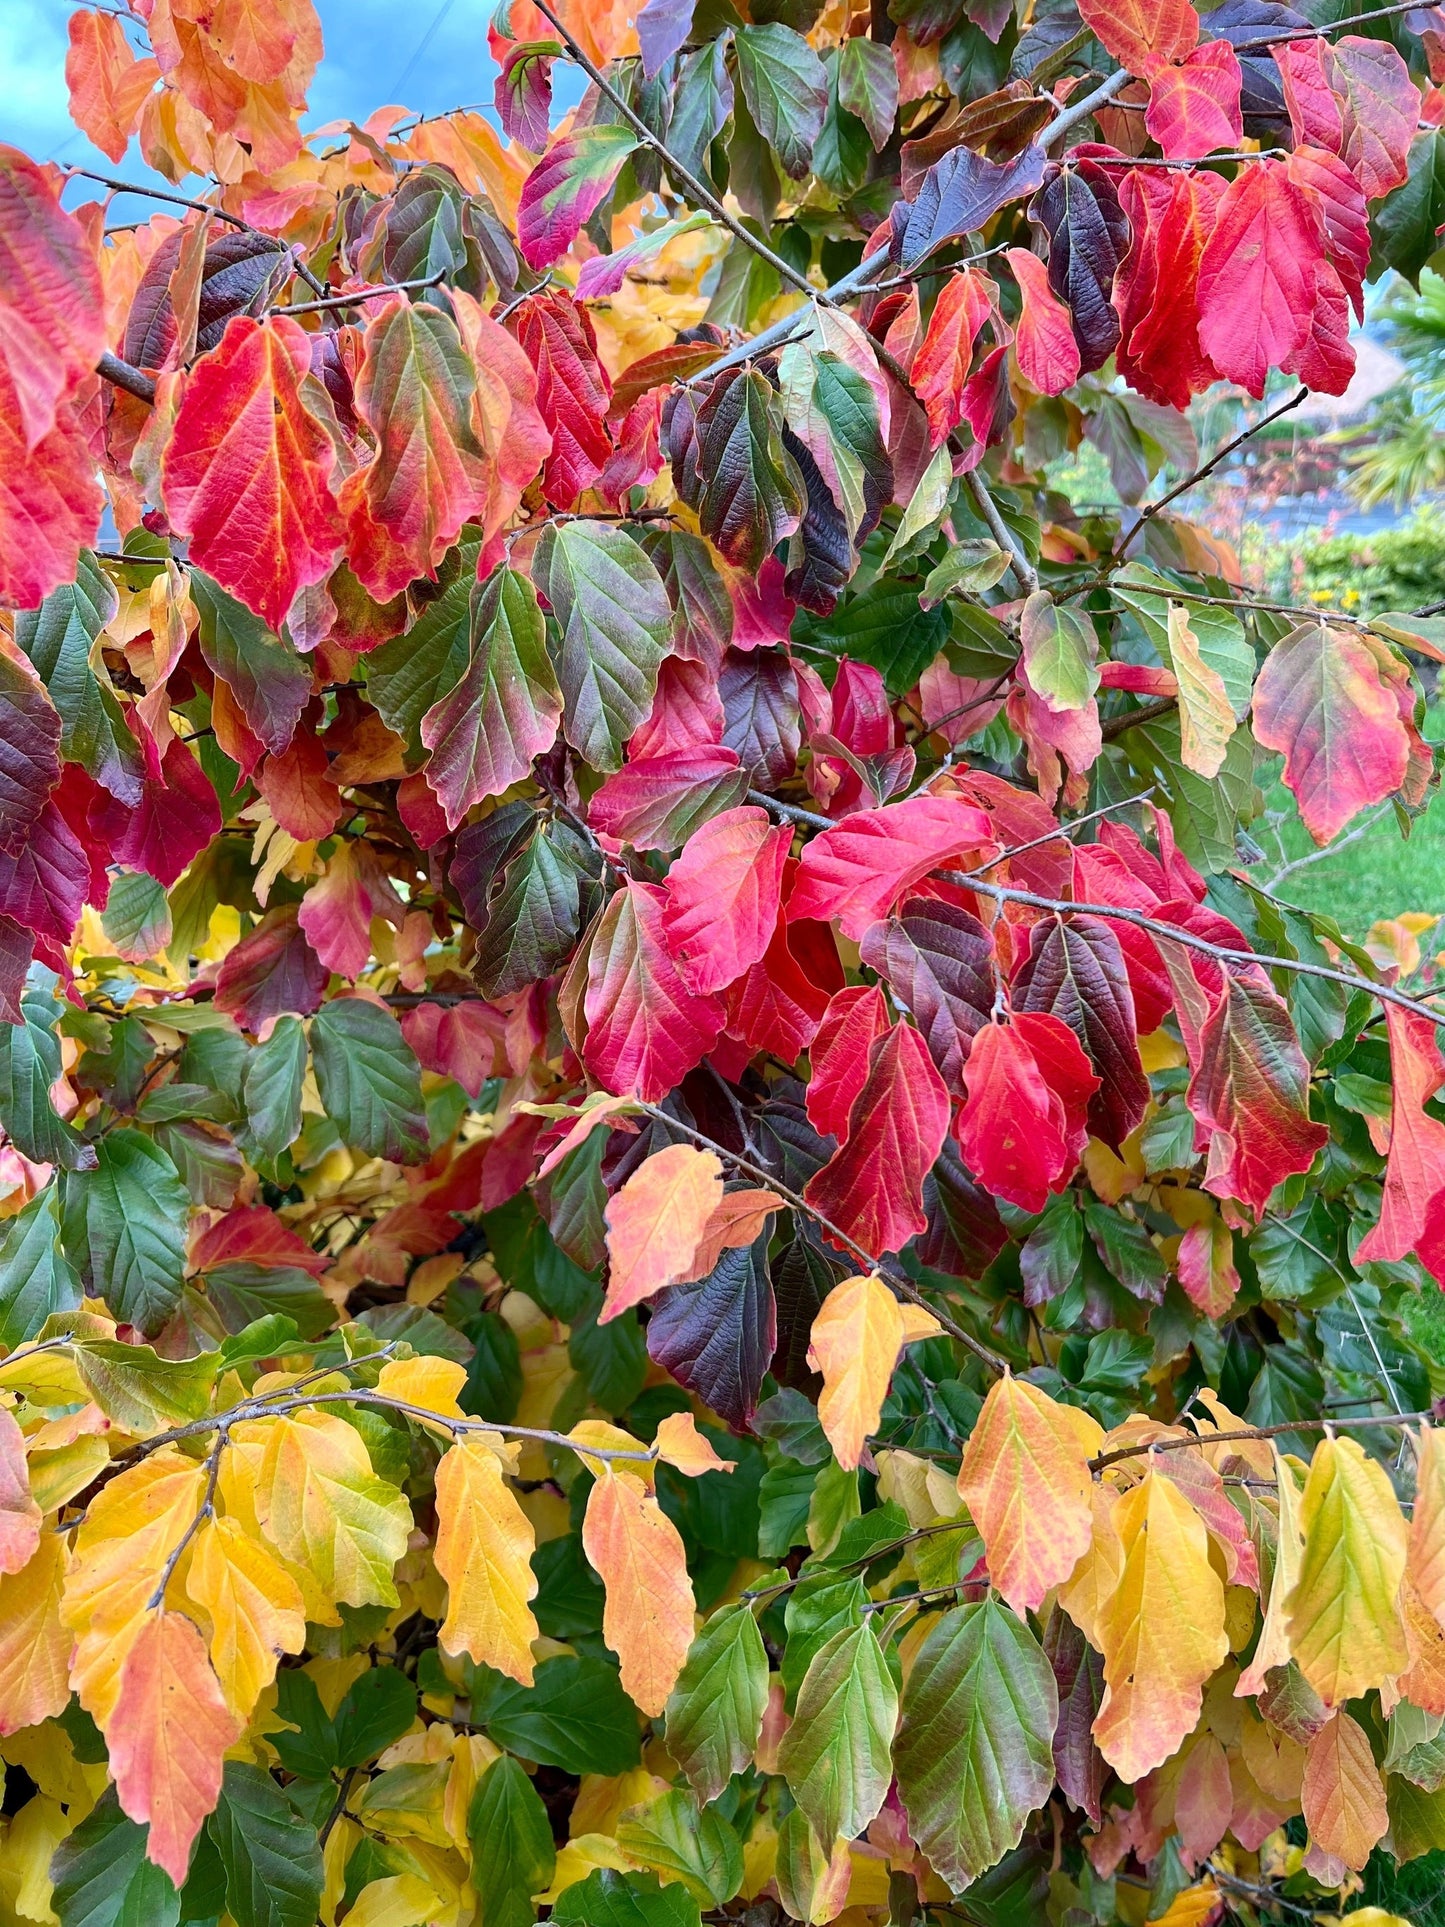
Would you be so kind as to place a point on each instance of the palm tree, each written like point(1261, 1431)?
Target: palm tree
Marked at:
point(1406, 455)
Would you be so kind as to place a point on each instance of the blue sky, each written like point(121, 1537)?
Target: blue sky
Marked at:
point(376, 51)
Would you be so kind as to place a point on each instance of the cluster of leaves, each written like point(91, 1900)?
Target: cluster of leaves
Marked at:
point(678, 1237)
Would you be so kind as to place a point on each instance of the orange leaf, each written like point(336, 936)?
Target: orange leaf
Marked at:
point(940, 368)
point(169, 1736)
point(108, 84)
point(34, 1643)
point(857, 1336)
point(680, 1445)
point(1426, 1557)
point(483, 1550)
point(656, 1222)
point(648, 1616)
point(19, 1514)
point(1343, 1797)
point(254, 1607)
point(1137, 32)
point(738, 1220)
point(1025, 1479)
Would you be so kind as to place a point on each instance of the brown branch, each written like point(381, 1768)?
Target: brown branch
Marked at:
point(1207, 468)
point(1023, 569)
point(1115, 726)
point(201, 207)
point(120, 374)
point(902, 1285)
point(1247, 1432)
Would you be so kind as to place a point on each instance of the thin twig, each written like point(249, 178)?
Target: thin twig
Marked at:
point(1247, 1432)
point(358, 295)
point(1207, 468)
point(902, 1285)
point(1114, 726)
point(1023, 569)
point(201, 207)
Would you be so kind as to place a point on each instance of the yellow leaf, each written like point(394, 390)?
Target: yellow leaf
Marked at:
point(1192, 1908)
point(594, 1436)
point(1274, 1648)
point(647, 1619)
point(34, 1642)
point(857, 1336)
point(431, 1383)
point(655, 1224)
point(19, 1514)
point(1025, 1479)
point(321, 1504)
point(684, 1448)
point(1427, 1522)
point(254, 1606)
point(399, 1900)
point(1206, 718)
point(1162, 1633)
point(169, 1736)
point(1095, 1579)
point(483, 1551)
point(1345, 1625)
point(131, 1528)
point(1342, 1795)
point(240, 1468)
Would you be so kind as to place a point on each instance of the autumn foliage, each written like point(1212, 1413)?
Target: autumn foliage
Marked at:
point(678, 1238)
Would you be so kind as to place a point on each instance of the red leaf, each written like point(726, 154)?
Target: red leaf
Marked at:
point(455, 1040)
point(1326, 360)
point(1320, 700)
point(1251, 1089)
point(506, 418)
point(687, 712)
point(645, 1028)
point(572, 392)
point(246, 474)
point(271, 972)
point(297, 791)
point(1173, 214)
point(1342, 207)
point(723, 896)
point(656, 804)
point(1075, 970)
point(336, 913)
point(1415, 1174)
point(566, 188)
point(1023, 1124)
point(859, 870)
point(44, 885)
point(175, 819)
point(856, 1018)
point(1257, 275)
point(50, 502)
point(1194, 107)
point(254, 1235)
point(52, 317)
point(29, 748)
point(1137, 32)
point(939, 961)
point(1048, 355)
point(872, 1188)
point(1355, 98)
point(778, 1005)
point(940, 368)
point(430, 473)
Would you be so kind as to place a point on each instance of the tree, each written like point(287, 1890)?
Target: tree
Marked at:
point(679, 1232)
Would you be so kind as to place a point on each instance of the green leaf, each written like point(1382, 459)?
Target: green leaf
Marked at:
point(816, 1610)
point(611, 1358)
point(836, 1754)
point(137, 916)
point(29, 1065)
point(885, 626)
point(376, 1710)
point(969, 568)
point(511, 1838)
point(1404, 227)
point(576, 1716)
point(272, 1858)
point(831, 408)
point(102, 1877)
point(786, 91)
point(124, 1229)
point(533, 921)
point(309, 1751)
point(868, 86)
point(697, 1845)
point(608, 1899)
point(1223, 645)
point(369, 1080)
point(504, 712)
point(749, 493)
point(140, 1391)
point(616, 624)
point(409, 675)
point(269, 680)
point(265, 1337)
point(1205, 814)
point(716, 1709)
point(243, 1292)
point(271, 1090)
point(36, 1278)
point(702, 103)
point(1060, 652)
point(59, 639)
point(974, 1753)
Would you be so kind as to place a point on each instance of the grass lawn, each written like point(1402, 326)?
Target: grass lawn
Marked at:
point(1359, 879)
